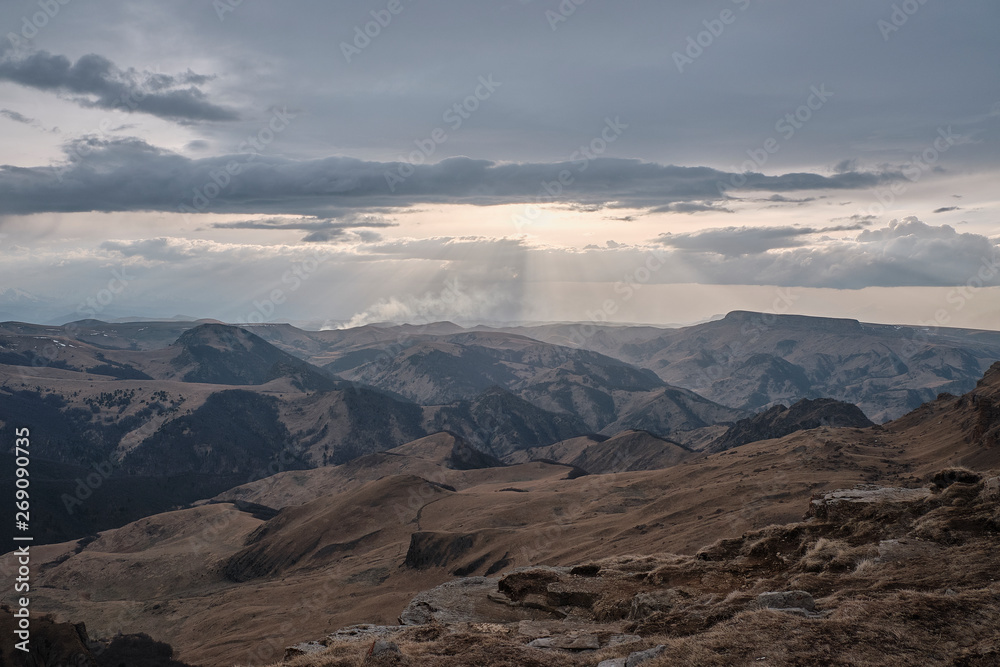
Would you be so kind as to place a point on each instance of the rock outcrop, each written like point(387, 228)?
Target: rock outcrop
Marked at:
point(808, 589)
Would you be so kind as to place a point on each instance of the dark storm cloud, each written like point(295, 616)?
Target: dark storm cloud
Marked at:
point(130, 174)
point(93, 81)
point(946, 209)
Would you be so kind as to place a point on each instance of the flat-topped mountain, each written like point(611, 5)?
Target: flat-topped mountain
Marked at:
point(753, 360)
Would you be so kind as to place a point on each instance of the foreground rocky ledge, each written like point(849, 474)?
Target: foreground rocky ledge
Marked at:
point(871, 576)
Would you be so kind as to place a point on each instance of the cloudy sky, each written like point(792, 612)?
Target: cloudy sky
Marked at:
point(503, 160)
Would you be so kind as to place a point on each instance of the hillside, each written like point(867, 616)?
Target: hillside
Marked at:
point(873, 576)
point(624, 452)
point(412, 533)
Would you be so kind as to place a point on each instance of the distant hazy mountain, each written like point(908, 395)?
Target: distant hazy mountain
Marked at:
point(606, 394)
point(748, 361)
point(755, 360)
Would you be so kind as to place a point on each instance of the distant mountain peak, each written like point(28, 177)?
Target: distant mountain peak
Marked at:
point(224, 354)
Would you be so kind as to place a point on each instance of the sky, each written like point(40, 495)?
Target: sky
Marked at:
point(338, 164)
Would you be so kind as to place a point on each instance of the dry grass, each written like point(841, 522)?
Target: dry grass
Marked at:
point(934, 599)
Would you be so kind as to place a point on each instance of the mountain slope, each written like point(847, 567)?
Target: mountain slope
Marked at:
point(780, 421)
point(434, 370)
point(500, 422)
point(362, 553)
point(664, 411)
point(624, 452)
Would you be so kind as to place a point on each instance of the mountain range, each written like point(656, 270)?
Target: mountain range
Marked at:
point(384, 530)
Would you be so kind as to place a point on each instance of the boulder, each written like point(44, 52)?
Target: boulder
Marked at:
point(519, 584)
point(466, 600)
point(383, 646)
point(640, 657)
point(848, 503)
point(568, 642)
point(645, 605)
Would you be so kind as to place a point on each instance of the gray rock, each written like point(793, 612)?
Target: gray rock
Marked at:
point(467, 600)
point(614, 662)
point(646, 604)
point(991, 489)
point(568, 642)
point(786, 600)
point(640, 657)
point(383, 646)
point(451, 602)
point(305, 648)
point(364, 632)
